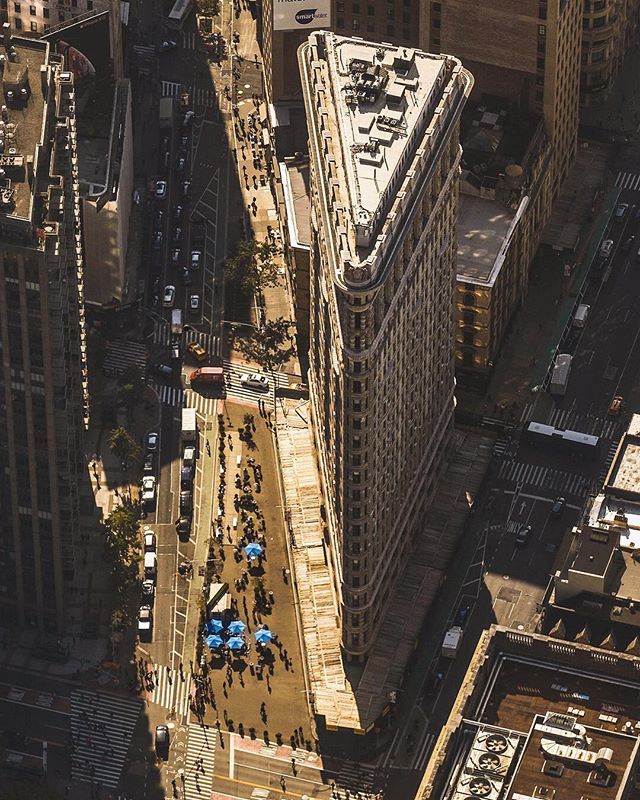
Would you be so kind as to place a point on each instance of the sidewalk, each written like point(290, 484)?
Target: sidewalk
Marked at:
point(621, 111)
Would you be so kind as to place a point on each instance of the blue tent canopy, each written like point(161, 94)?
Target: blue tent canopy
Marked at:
point(253, 550)
point(236, 643)
point(214, 626)
point(263, 635)
point(213, 641)
point(236, 627)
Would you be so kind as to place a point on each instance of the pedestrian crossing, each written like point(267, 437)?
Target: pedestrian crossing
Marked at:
point(424, 751)
point(355, 777)
point(161, 333)
point(121, 355)
point(171, 691)
point(547, 478)
point(170, 88)
point(608, 461)
point(198, 95)
point(101, 729)
point(210, 342)
point(189, 40)
point(169, 395)
point(501, 446)
point(604, 427)
point(201, 751)
point(628, 180)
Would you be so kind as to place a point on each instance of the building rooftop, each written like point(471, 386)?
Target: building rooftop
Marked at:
point(22, 122)
point(484, 230)
point(378, 119)
point(537, 718)
point(295, 185)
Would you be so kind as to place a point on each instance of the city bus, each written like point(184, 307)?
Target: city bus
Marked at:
point(565, 441)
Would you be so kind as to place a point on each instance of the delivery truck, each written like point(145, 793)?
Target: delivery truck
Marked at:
point(167, 111)
point(176, 322)
point(189, 426)
point(451, 642)
point(560, 375)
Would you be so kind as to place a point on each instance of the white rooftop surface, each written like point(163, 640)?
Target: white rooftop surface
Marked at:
point(395, 119)
point(483, 226)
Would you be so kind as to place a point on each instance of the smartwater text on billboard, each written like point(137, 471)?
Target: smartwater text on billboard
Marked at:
point(293, 15)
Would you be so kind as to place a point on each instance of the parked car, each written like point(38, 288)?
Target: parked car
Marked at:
point(180, 163)
point(175, 255)
point(161, 370)
point(186, 188)
point(148, 592)
point(148, 463)
point(558, 506)
point(145, 622)
point(186, 501)
point(620, 212)
point(161, 189)
point(197, 350)
point(152, 441)
point(169, 43)
point(194, 303)
point(149, 490)
point(159, 219)
point(523, 535)
point(157, 240)
point(169, 296)
point(628, 244)
point(606, 248)
point(149, 542)
point(186, 477)
point(196, 255)
point(183, 524)
point(189, 456)
point(187, 119)
point(461, 616)
point(177, 235)
point(178, 213)
point(187, 280)
point(255, 381)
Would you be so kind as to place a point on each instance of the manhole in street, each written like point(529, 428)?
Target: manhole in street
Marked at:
point(508, 595)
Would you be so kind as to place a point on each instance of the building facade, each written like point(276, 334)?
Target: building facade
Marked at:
point(385, 157)
point(608, 28)
point(394, 21)
point(37, 16)
point(525, 50)
point(44, 403)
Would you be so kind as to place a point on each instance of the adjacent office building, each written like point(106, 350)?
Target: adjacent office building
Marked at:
point(36, 17)
point(385, 157)
point(43, 393)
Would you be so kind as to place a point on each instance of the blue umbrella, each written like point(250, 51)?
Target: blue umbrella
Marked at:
point(263, 635)
point(253, 550)
point(236, 627)
point(214, 626)
point(213, 641)
point(236, 643)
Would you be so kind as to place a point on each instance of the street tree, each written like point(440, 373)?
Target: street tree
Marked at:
point(124, 447)
point(253, 267)
point(271, 345)
point(122, 540)
point(130, 387)
point(207, 8)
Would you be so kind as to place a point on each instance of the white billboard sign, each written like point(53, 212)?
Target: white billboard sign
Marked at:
point(298, 15)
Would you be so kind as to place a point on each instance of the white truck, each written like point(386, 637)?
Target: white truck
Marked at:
point(189, 426)
point(451, 642)
point(560, 374)
point(176, 322)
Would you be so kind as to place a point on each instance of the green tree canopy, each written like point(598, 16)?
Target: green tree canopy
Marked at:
point(253, 267)
point(122, 540)
point(270, 346)
point(124, 447)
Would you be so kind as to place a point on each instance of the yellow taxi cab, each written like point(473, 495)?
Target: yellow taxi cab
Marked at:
point(616, 406)
point(197, 350)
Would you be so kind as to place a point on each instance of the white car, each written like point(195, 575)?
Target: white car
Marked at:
point(149, 541)
point(149, 490)
point(145, 620)
point(169, 297)
point(189, 456)
point(152, 441)
point(255, 381)
point(161, 189)
point(194, 302)
point(195, 259)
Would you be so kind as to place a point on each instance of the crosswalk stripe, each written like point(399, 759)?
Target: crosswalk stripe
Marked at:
point(628, 180)
point(170, 88)
point(101, 728)
point(554, 480)
point(201, 744)
point(169, 395)
point(172, 694)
